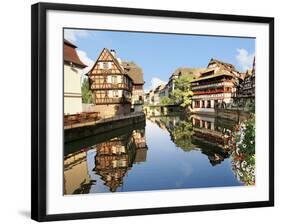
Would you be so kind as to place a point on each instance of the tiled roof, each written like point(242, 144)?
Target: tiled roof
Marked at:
point(218, 74)
point(70, 54)
point(134, 72)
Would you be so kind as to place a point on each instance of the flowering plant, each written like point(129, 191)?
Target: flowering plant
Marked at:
point(243, 155)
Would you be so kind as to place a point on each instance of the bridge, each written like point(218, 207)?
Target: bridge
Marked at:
point(159, 109)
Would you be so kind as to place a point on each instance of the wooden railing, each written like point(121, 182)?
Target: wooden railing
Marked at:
point(211, 85)
point(211, 92)
point(112, 100)
point(81, 117)
point(126, 86)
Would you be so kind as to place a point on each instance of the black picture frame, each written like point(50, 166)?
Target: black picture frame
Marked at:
point(39, 114)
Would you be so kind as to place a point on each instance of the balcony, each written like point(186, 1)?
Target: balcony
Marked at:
point(211, 92)
point(212, 85)
point(97, 86)
point(138, 102)
point(115, 100)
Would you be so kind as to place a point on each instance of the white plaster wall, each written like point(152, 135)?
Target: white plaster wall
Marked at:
point(72, 90)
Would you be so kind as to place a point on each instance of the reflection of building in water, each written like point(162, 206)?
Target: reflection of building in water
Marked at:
point(208, 129)
point(141, 147)
point(212, 137)
point(107, 163)
point(152, 111)
point(166, 122)
point(113, 159)
point(199, 133)
point(75, 172)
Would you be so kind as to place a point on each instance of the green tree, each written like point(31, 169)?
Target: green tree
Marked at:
point(165, 100)
point(182, 93)
point(86, 92)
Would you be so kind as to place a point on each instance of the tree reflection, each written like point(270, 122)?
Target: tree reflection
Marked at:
point(199, 133)
point(182, 135)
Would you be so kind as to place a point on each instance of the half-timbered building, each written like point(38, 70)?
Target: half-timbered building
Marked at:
point(245, 96)
point(136, 74)
point(111, 86)
point(216, 87)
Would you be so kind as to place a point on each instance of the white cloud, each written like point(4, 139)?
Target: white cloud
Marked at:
point(87, 61)
point(245, 60)
point(155, 81)
point(72, 35)
point(84, 57)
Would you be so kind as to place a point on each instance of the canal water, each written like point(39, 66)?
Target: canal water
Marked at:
point(165, 152)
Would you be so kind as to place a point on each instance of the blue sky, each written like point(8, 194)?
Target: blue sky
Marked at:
point(160, 54)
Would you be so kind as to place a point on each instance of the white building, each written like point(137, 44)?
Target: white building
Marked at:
point(72, 79)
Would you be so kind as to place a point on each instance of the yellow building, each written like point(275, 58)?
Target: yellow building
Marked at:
point(72, 79)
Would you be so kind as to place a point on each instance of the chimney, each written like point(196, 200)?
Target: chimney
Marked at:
point(112, 51)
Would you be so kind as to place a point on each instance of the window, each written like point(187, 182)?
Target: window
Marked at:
point(115, 93)
point(114, 79)
point(203, 103)
point(208, 104)
point(105, 65)
point(216, 103)
point(197, 104)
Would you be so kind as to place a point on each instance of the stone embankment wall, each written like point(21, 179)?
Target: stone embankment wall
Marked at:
point(72, 134)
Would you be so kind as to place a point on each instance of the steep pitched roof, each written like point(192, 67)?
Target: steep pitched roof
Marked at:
point(219, 73)
point(158, 88)
point(70, 54)
point(194, 72)
point(134, 72)
point(114, 59)
point(222, 63)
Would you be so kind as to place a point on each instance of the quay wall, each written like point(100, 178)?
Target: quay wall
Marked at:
point(72, 134)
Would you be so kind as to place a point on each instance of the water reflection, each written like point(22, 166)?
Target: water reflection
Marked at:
point(208, 134)
point(107, 163)
point(169, 152)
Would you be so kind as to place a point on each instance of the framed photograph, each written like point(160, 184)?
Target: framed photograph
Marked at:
point(140, 111)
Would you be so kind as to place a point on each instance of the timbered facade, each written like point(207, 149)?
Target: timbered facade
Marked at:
point(136, 74)
point(110, 85)
point(216, 87)
point(246, 90)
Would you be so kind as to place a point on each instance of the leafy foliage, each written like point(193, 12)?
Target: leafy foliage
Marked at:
point(182, 93)
point(87, 96)
point(245, 137)
point(165, 100)
point(244, 152)
point(182, 135)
